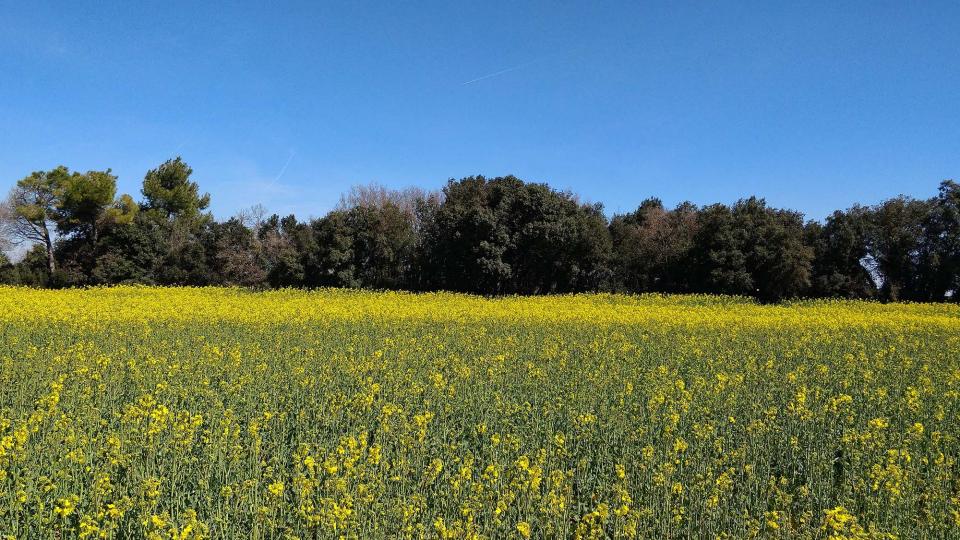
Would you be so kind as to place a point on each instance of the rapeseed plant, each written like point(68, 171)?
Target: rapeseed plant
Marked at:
point(138, 412)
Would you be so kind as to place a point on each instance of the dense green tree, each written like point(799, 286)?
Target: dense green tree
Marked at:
point(751, 249)
point(467, 240)
point(87, 206)
point(335, 260)
point(7, 271)
point(895, 247)
point(77, 206)
point(557, 244)
point(31, 210)
point(489, 236)
point(385, 227)
point(940, 256)
point(131, 253)
point(365, 246)
point(840, 250)
point(506, 236)
point(382, 247)
point(88, 203)
point(169, 191)
point(720, 264)
point(32, 271)
point(422, 267)
point(370, 240)
point(173, 204)
point(188, 256)
point(777, 256)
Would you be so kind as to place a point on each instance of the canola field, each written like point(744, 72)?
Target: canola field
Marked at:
point(219, 413)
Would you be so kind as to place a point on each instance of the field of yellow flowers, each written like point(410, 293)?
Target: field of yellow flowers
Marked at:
point(219, 413)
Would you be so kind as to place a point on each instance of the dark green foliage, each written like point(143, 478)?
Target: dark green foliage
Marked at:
point(187, 255)
point(169, 191)
point(30, 271)
point(173, 210)
point(365, 246)
point(7, 270)
point(505, 236)
point(895, 246)
point(80, 207)
point(238, 257)
point(467, 241)
point(935, 259)
point(840, 249)
point(942, 258)
point(87, 205)
point(383, 241)
point(480, 235)
point(131, 253)
point(31, 208)
point(335, 260)
point(751, 249)
point(718, 261)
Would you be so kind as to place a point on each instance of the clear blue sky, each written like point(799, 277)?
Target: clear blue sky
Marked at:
point(814, 107)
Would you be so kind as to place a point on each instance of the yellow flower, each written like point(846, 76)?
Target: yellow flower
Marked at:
point(276, 488)
point(680, 446)
point(557, 415)
point(66, 506)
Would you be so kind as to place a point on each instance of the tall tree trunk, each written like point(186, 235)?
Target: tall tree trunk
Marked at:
point(51, 264)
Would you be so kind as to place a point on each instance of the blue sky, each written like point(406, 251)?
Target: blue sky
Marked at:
point(813, 106)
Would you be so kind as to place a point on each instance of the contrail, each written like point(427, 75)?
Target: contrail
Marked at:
point(501, 72)
point(179, 146)
point(282, 169)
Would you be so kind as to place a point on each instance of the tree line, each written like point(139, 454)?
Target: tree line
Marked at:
point(479, 235)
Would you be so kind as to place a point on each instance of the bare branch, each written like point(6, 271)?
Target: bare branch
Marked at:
point(253, 217)
point(6, 234)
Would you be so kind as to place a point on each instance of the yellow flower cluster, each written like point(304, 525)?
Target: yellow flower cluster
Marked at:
point(137, 412)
